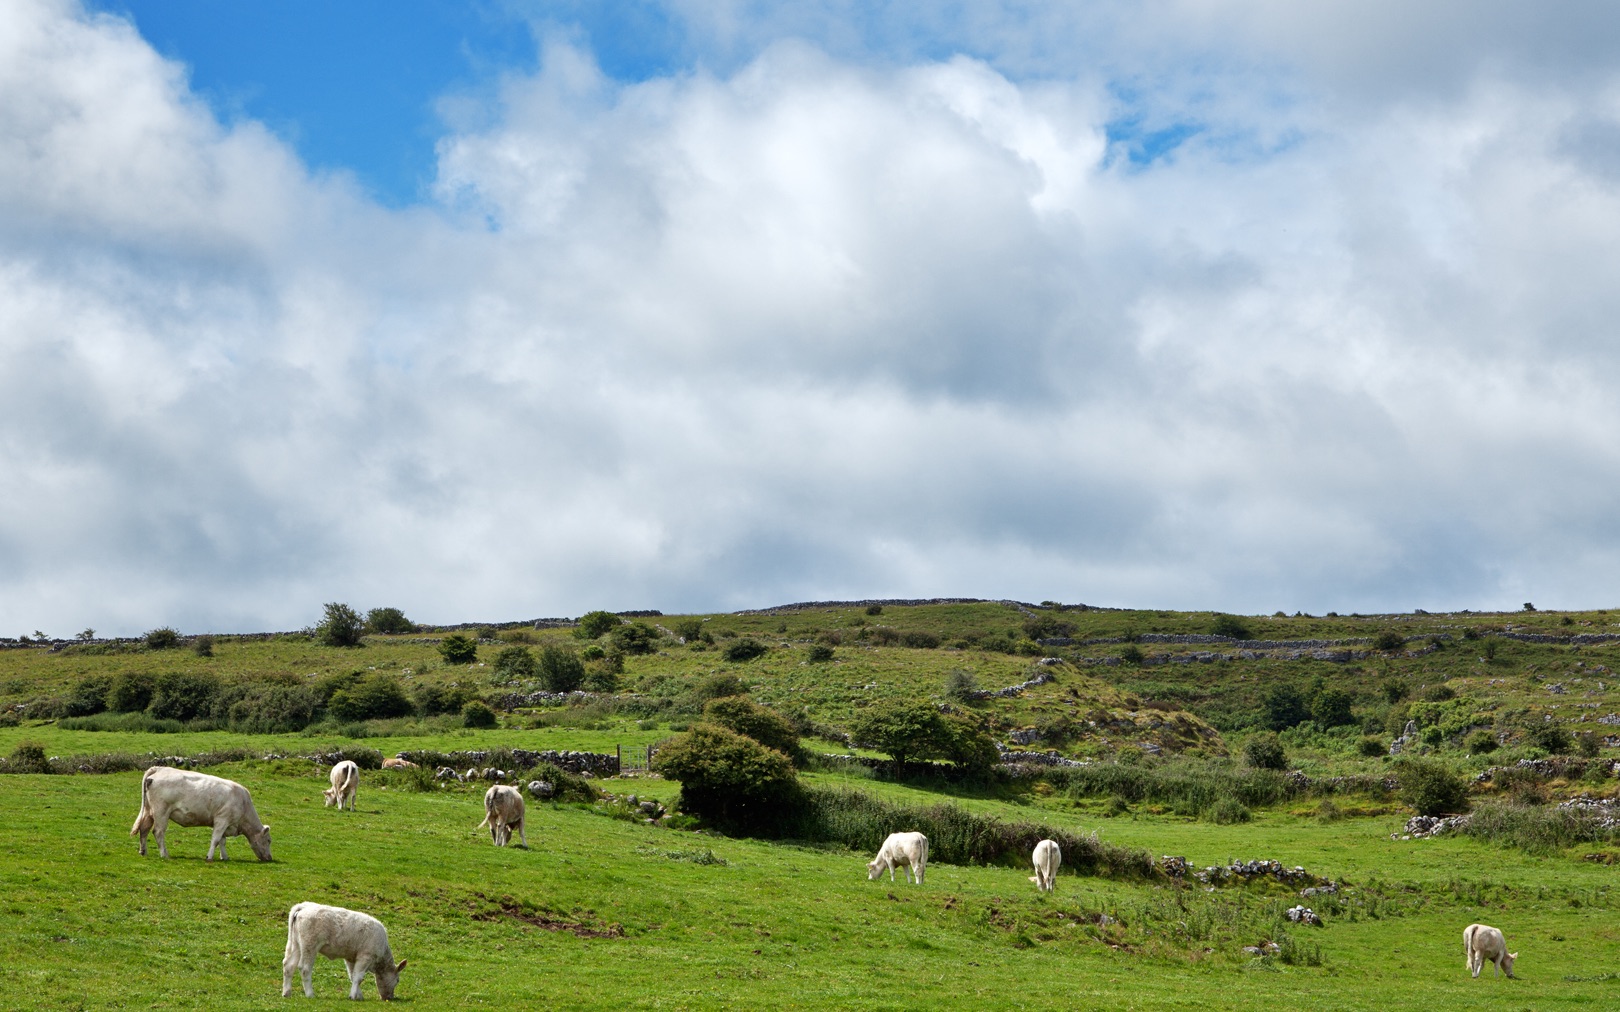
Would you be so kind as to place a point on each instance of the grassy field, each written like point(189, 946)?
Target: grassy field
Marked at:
point(606, 913)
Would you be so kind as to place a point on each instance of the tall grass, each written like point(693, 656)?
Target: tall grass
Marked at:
point(1535, 829)
point(1186, 788)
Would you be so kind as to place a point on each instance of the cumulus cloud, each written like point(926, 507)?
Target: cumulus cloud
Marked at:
point(806, 322)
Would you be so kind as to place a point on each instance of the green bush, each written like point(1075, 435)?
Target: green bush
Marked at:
point(1430, 787)
point(162, 638)
point(764, 725)
point(820, 653)
point(908, 731)
point(1551, 737)
point(1374, 747)
point(389, 620)
point(341, 626)
point(1546, 831)
point(434, 698)
point(688, 629)
point(378, 695)
point(716, 686)
point(203, 646)
point(273, 709)
point(1439, 693)
point(28, 757)
point(874, 609)
point(1285, 707)
point(1132, 654)
point(1228, 811)
point(1394, 689)
point(183, 696)
point(1331, 708)
point(596, 624)
point(559, 668)
point(919, 640)
point(961, 685)
point(1481, 742)
point(1589, 744)
point(87, 697)
point(1230, 626)
point(600, 678)
point(1389, 639)
point(1264, 751)
point(514, 663)
point(458, 648)
point(478, 714)
point(745, 649)
point(730, 780)
point(634, 638)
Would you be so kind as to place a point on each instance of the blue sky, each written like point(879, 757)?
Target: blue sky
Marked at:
point(510, 309)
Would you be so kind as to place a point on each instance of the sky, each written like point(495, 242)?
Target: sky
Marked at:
point(508, 309)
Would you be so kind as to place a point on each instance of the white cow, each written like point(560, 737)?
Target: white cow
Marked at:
point(396, 763)
point(503, 812)
point(1482, 942)
point(909, 849)
point(360, 940)
point(197, 799)
point(1047, 858)
point(345, 785)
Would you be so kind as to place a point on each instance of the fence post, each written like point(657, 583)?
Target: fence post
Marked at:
point(618, 752)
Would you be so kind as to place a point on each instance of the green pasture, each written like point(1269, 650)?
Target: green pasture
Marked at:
point(607, 913)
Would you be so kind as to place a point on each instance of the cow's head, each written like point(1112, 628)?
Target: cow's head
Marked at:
point(873, 870)
point(388, 979)
point(260, 842)
point(1507, 963)
point(331, 795)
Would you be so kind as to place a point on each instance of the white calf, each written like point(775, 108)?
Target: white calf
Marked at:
point(360, 940)
point(345, 785)
point(1482, 942)
point(909, 849)
point(396, 763)
point(503, 812)
point(197, 799)
point(1047, 858)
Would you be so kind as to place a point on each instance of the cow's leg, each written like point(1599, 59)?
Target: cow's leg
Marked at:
point(1475, 963)
point(217, 840)
point(521, 837)
point(357, 973)
point(306, 970)
point(289, 964)
point(160, 832)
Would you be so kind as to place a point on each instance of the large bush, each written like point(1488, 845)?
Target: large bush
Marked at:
point(560, 669)
point(1285, 707)
point(162, 638)
point(274, 709)
point(88, 697)
point(183, 696)
point(1551, 737)
point(909, 731)
point(730, 780)
point(458, 648)
point(341, 626)
point(131, 692)
point(376, 696)
point(514, 663)
point(1230, 625)
point(745, 649)
point(478, 714)
point(596, 624)
point(389, 620)
point(436, 697)
point(1331, 708)
point(764, 725)
point(635, 638)
point(1264, 752)
point(1430, 787)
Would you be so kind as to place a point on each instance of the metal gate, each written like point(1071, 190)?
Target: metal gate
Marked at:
point(633, 758)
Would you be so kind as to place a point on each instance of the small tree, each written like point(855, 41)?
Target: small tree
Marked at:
point(1430, 787)
point(162, 638)
point(341, 627)
point(203, 646)
point(1264, 752)
point(559, 668)
point(730, 779)
point(635, 638)
point(478, 714)
point(379, 695)
point(595, 624)
point(1331, 708)
point(131, 692)
point(1230, 626)
point(514, 663)
point(1285, 708)
point(458, 648)
point(906, 731)
point(389, 620)
point(764, 725)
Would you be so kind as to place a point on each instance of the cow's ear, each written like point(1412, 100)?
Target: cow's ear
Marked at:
point(401, 965)
point(1513, 955)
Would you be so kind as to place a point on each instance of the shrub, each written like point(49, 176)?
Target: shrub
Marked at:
point(819, 653)
point(560, 669)
point(389, 620)
point(730, 780)
point(745, 649)
point(1264, 752)
point(162, 638)
point(1551, 737)
point(1481, 742)
point(908, 731)
point(89, 696)
point(28, 757)
point(341, 626)
point(1588, 743)
point(183, 696)
point(458, 648)
point(1389, 639)
point(635, 638)
point(432, 698)
point(716, 686)
point(1331, 708)
point(1430, 787)
point(1375, 747)
point(1132, 654)
point(919, 640)
point(1230, 626)
point(1394, 689)
point(376, 696)
point(600, 678)
point(1285, 708)
point(273, 709)
point(477, 714)
point(1040, 627)
point(1440, 693)
point(874, 609)
point(514, 663)
point(1228, 811)
point(203, 646)
point(1433, 736)
point(596, 624)
point(961, 685)
point(764, 725)
point(1536, 830)
point(688, 629)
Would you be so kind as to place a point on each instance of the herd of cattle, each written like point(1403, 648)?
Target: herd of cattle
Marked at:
point(187, 798)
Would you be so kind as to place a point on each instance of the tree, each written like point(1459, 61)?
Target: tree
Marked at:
point(379, 695)
point(906, 731)
point(131, 692)
point(764, 725)
point(389, 620)
point(1285, 708)
point(1331, 708)
point(730, 779)
point(1230, 626)
point(1430, 787)
point(162, 638)
point(635, 638)
point(341, 627)
point(560, 669)
point(458, 648)
point(595, 624)
point(514, 663)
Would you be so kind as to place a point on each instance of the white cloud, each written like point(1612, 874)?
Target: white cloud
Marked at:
point(816, 324)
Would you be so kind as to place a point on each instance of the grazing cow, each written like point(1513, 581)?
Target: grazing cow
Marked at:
point(396, 763)
point(345, 785)
point(197, 799)
point(1047, 858)
point(1482, 942)
point(360, 940)
point(909, 849)
point(503, 812)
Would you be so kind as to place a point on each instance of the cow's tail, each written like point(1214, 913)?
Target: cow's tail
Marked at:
point(143, 818)
point(489, 811)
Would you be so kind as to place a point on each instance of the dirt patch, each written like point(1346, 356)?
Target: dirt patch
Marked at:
point(539, 917)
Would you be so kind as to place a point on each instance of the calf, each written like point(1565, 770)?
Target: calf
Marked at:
point(1047, 858)
point(503, 811)
point(1482, 942)
point(396, 763)
point(360, 940)
point(345, 784)
point(909, 849)
point(197, 799)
